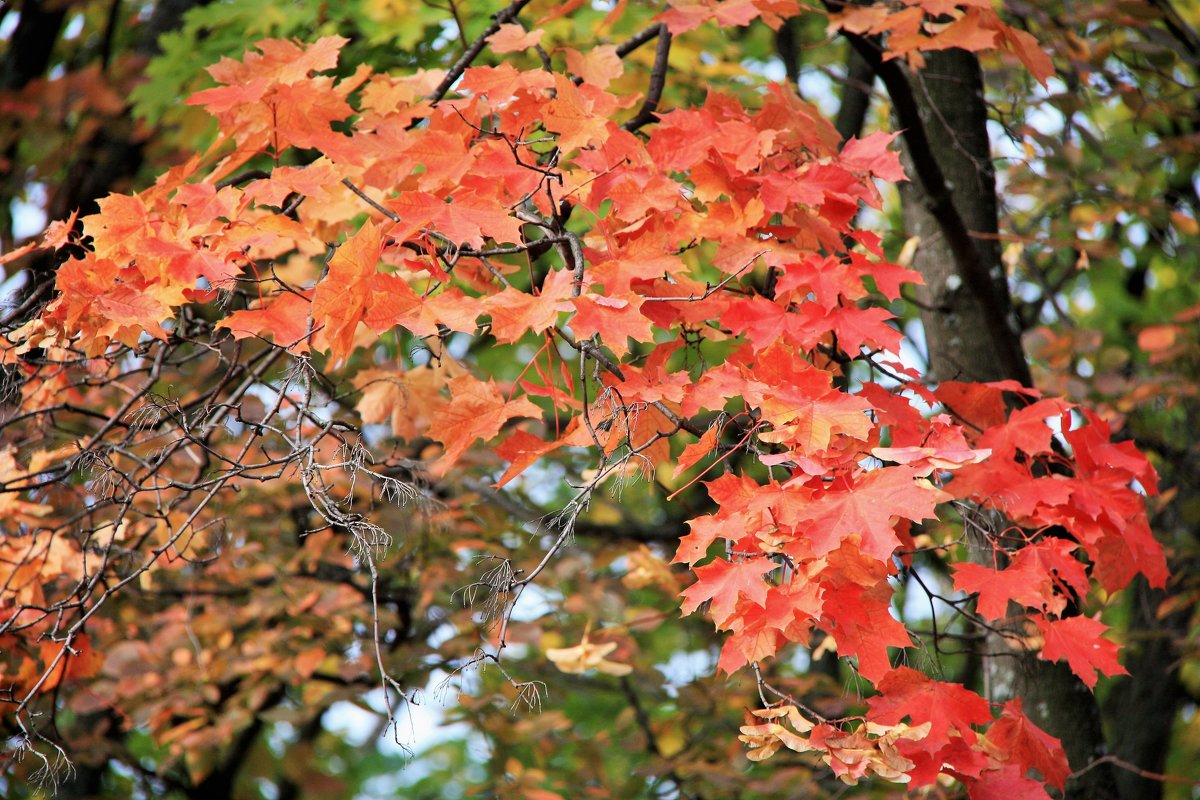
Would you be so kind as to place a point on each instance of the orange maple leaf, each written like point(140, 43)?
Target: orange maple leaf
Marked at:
point(340, 301)
point(477, 410)
point(616, 319)
point(284, 319)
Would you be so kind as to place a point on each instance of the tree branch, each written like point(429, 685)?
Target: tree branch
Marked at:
point(658, 80)
point(504, 15)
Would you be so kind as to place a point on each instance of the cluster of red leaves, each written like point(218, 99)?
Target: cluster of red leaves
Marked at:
point(728, 224)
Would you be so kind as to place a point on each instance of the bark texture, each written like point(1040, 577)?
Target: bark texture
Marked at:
point(961, 346)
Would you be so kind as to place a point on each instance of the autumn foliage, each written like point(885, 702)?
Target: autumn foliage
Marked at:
point(306, 309)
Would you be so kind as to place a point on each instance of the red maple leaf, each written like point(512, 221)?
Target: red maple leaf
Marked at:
point(515, 313)
point(1015, 739)
point(765, 323)
point(724, 583)
point(696, 451)
point(865, 509)
point(572, 116)
point(521, 449)
point(703, 531)
point(872, 155)
point(467, 219)
point(126, 305)
point(1042, 575)
point(1080, 640)
point(860, 620)
point(512, 38)
point(1007, 782)
point(759, 630)
point(810, 423)
point(948, 707)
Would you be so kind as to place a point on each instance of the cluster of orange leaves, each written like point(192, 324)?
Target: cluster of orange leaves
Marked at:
point(723, 194)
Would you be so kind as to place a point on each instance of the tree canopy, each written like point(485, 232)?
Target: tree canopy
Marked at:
point(689, 400)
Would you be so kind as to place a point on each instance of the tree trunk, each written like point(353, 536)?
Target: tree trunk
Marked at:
point(949, 95)
point(969, 339)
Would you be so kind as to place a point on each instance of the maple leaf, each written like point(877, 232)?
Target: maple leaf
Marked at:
point(786, 616)
point(284, 61)
point(749, 644)
point(1042, 575)
point(703, 531)
point(512, 38)
point(302, 115)
point(78, 662)
point(60, 232)
point(501, 83)
point(724, 582)
point(856, 326)
point(309, 180)
point(645, 568)
point(871, 155)
point(515, 313)
point(616, 319)
point(765, 323)
point(810, 423)
point(341, 298)
point(1080, 641)
point(123, 222)
point(523, 448)
point(652, 383)
point(285, 319)
point(866, 509)
point(1007, 782)
point(599, 66)
point(408, 399)
point(1026, 429)
point(468, 219)
point(572, 116)
point(968, 32)
point(125, 305)
point(948, 707)
point(11, 506)
point(696, 451)
point(1025, 46)
point(1015, 739)
point(477, 410)
point(684, 15)
point(1096, 454)
point(861, 622)
point(443, 155)
point(980, 405)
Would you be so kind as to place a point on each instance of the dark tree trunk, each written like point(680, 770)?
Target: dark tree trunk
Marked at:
point(856, 95)
point(949, 95)
point(969, 338)
point(1144, 705)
